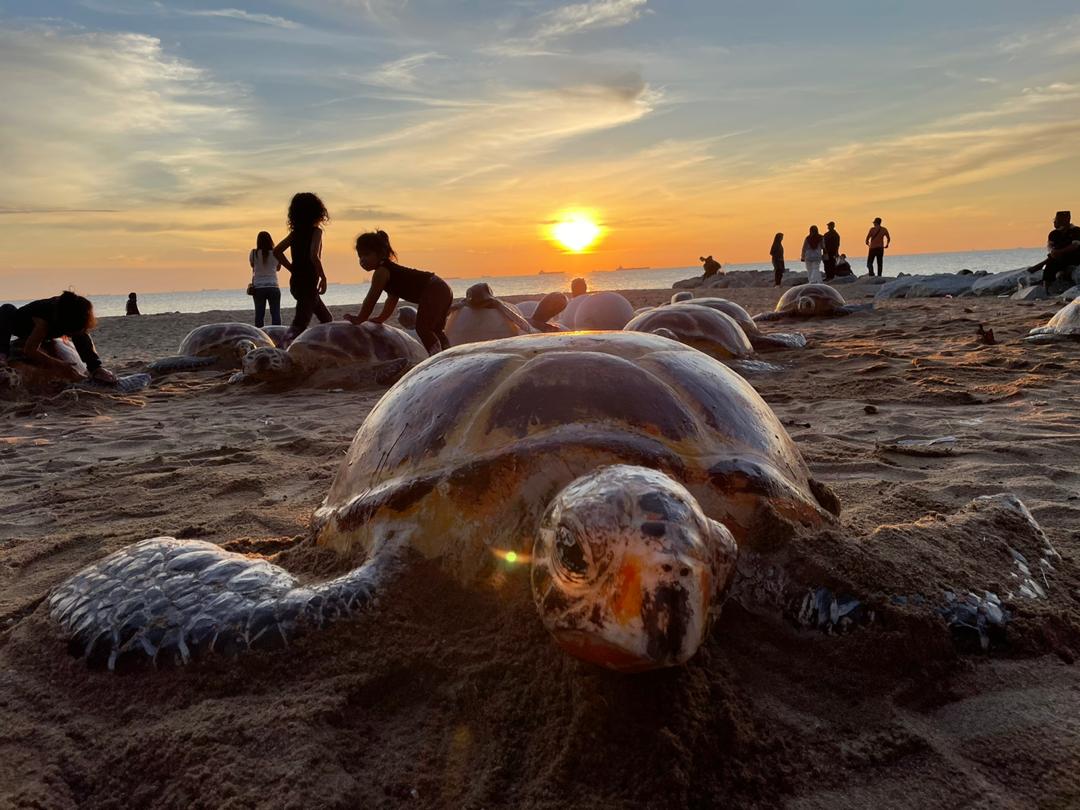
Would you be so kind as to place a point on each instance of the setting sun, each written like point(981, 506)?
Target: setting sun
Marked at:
point(575, 232)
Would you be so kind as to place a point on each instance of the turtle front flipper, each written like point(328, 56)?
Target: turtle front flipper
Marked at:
point(180, 362)
point(179, 598)
point(777, 341)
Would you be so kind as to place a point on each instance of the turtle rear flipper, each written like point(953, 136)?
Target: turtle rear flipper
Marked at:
point(851, 309)
point(763, 317)
point(171, 365)
point(177, 598)
point(127, 384)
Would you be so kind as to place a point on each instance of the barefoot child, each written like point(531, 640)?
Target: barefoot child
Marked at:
point(430, 293)
point(66, 315)
point(308, 279)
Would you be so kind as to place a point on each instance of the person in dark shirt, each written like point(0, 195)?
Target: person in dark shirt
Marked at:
point(132, 305)
point(710, 265)
point(1063, 246)
point(578, 288)
point(430, 293)
point(307, 278)
point(843, 267)
point(66, 315)
point(777, 253)
point(831, 243)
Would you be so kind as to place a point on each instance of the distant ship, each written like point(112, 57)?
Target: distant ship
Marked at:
point(621, 269)
point(550, 273)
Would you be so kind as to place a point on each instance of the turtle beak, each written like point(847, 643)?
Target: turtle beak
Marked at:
point(654, 614)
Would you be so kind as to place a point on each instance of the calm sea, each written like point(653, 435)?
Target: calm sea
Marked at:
point(916, 264)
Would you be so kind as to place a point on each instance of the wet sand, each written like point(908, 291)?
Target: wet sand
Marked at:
point(451, 698)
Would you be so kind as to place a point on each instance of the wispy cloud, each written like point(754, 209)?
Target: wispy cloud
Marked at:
point(241, 15)
point(401, 73)
point(578, 17)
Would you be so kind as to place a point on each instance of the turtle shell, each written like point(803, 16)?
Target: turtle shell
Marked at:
point(1065, 322)
point(471, 323)
point(465, 452)
point(810, 299)
point(706, 329)
point(729, 308)
point(603, 310)
point(220, 339)
point(275, 333)
point(340, 343)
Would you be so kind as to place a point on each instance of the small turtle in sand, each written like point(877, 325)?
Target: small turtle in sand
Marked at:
point(620, 467)
point(1065, 325)
point(482, 316)
point(758, 339)
point(602, 310)
point(810, 301)
point(214, 344)
point(540, 313)
point(708, 330)
point(335, 346)
point(19, 376)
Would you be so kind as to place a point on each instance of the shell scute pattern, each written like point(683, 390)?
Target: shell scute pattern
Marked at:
point(220, 339)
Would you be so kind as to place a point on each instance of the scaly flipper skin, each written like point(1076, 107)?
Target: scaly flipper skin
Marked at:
point(179, 598)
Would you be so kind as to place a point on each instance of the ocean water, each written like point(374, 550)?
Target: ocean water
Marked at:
point(993, 261)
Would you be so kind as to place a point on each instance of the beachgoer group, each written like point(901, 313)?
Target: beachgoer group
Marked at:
point(821, 251)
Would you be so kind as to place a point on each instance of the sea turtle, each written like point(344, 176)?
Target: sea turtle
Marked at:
point(622, 467)
point(679, 297)
point(706, 329)
point(540, 313)
point(811, 300)
point(482, 316)
point(214, 344)
point(1065, 325)
point(276, 333)
point(602, 310)
point(336, 346)
point(758, 339)
point(19, 376)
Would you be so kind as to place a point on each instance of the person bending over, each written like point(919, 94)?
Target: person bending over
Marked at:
point(430, 293)
point(66, 315)
point(307, 278)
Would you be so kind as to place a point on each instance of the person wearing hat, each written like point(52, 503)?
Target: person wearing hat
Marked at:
point(830, 241)
point(1063, 246)
point(877, 239)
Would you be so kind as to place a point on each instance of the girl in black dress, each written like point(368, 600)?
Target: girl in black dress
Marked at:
point(308, 279)
point(430, 293)
point(66, 315)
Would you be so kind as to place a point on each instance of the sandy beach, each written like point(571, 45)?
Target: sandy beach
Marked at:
point(445, 697)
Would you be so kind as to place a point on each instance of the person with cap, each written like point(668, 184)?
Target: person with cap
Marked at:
point(830, 241)
point(877, 239)
point(1063, 246)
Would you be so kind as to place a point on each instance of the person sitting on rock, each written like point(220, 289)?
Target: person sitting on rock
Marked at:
point(843, 268)
point(1063, 246)
point(578, 287)
point(132, 307)
point(711, 265)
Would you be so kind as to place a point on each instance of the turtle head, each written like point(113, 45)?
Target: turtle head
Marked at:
point(266, 364)
point(480, 295)
point(407, 317)
point(627, 571)
point(242, 348)
point(805, 305)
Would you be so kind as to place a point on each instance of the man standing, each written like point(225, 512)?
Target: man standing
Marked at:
point(831, 243)
point(1063, 246)
point(877, 239)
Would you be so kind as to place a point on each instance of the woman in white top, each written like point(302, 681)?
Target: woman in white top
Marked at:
point(264, 281)
point(811, 254)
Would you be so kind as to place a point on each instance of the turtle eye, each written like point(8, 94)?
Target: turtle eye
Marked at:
point(570, 555)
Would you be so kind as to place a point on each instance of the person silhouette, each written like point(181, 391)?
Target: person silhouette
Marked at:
point(877, 239)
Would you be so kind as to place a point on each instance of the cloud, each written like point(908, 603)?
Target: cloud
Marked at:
point(400, 73)
point(98, 120)
point(578, 17)
point(244, 16)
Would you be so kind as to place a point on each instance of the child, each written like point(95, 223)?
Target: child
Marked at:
point(308, 281)
point(264, 280)
point(66, 315)
point(430, 293)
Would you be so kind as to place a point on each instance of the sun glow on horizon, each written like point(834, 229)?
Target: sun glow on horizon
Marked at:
point(575, 231)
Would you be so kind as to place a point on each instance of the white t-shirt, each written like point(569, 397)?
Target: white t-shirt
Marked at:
point(264, 270)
